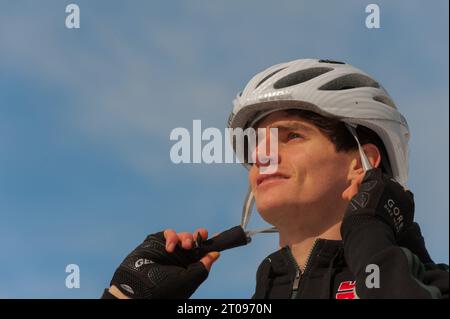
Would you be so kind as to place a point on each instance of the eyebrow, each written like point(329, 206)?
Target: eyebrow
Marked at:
point(292, 126)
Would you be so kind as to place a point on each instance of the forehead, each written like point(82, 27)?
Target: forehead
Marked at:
point(282, 118)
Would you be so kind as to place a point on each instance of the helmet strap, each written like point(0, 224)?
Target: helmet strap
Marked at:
point(364, 160)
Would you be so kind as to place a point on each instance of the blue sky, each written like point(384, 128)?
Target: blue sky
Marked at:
point(85, 118)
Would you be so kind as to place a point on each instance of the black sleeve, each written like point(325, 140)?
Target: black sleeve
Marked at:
point(370, 244)
point(412, 239)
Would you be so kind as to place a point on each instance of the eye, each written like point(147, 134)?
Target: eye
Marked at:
point(293, 135)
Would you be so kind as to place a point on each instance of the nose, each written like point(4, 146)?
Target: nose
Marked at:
point(266, 151)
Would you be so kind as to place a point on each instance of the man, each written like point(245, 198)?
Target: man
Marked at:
point(338, 197)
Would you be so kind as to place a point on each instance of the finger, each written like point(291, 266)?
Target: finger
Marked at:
point(186, 240)
point(346, 194)
point(352, 190)
point(209, 259)
point(203, 233)
point(171, 239)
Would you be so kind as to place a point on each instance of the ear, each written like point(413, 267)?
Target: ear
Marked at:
point(372, 154)
point(356, 170)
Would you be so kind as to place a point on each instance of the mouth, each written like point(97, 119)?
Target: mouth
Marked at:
point(270, 178)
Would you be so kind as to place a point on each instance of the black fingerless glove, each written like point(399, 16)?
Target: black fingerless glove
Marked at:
point(382, 198)
point(151, 272)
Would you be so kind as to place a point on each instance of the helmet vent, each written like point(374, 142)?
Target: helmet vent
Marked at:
point(385, 100)
point(268, 76)
point(300, 77)
point(331, 61)
point(349, 81)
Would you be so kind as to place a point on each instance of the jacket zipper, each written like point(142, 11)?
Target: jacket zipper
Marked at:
point(298, 271)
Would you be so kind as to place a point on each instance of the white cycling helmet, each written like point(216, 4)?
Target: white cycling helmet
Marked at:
point(332, 89)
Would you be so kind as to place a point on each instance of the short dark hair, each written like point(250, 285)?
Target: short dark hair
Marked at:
point(343, 141)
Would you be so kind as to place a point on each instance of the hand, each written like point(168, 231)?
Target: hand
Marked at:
point(377, 195)
point(157, 269)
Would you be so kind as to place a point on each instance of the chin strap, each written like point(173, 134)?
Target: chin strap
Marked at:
point(249, 201)
point(365, 162)
point(247, 212)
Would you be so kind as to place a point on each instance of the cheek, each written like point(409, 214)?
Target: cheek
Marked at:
point(329, 175)
point(319, 168)
point(302, 162)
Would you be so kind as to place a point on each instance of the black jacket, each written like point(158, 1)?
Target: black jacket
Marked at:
point(368, 263)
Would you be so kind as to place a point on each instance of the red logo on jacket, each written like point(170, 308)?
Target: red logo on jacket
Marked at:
point(347, 290)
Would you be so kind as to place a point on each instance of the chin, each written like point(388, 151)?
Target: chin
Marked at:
point(271, 207)
point(278, 206)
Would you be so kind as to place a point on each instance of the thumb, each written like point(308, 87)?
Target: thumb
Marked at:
point(209, 259)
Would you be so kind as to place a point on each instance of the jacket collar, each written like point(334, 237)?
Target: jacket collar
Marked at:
point(325, 250)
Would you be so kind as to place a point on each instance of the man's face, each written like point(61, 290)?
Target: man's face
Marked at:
point(310, 177)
